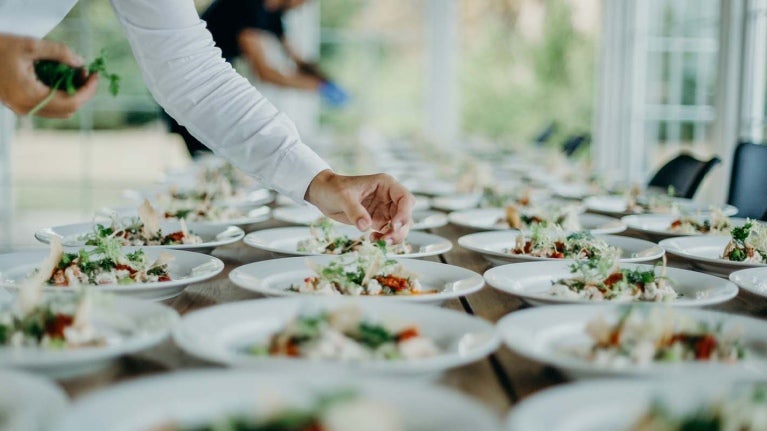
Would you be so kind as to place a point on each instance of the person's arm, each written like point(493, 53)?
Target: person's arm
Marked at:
point(20, 89)
point(185, 72)
point(251, 45)
point(304, 67)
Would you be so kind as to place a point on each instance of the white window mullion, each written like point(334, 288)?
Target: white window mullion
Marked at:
point(728, 95)
point(442, 119)
point(754, 70)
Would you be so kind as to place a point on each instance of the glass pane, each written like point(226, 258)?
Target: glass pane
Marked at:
point(525, 64)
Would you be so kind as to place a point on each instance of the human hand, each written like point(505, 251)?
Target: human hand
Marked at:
point(334, 95)
point(376, 202)
point(312, 69)
point(20, 89)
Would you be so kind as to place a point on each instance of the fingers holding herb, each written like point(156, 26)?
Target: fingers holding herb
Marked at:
point(73, 81)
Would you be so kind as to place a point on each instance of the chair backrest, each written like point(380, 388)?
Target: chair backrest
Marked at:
point(748, 181)
point(573, 143)
point(545, 134)
point(685, 173)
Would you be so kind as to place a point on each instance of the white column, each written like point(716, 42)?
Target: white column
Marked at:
point(754, 70)
point(7, 126)
point(442, 106)
point(303, 31)
point(620, 128)
point(728, 96)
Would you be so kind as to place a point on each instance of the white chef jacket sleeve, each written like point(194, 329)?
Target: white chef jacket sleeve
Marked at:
point(185, 72)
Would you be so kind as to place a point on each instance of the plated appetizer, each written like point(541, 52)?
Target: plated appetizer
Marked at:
point(200, 211)
point(714, 402)
point(276, 401)
point(366, 271)
point(564, 217)
point(345, 334)
point(339, 411)
point(644, 336)
point(602, 279)
point(55, 322)
point(554, 243)
point(142, 231)
point(748, 244)
point(494, 198)
point(105, 263)
point(717, 224)
point(741, 410)
point(326, 240)
point(637, 203)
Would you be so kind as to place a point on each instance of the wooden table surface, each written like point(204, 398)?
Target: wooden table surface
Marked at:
point(499, 381)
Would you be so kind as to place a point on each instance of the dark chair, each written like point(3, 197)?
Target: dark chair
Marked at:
point(748, 181)
point(684, 173)
point(545, 134)
point(574, 142)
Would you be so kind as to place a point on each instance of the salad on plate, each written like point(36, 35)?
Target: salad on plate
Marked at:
point(641, 337)
point(742, 410)
point(366, 271)
point(717, 224)
point(338, 411)
point(748, 243)
point(554, 243)
point(602, 279)
point(345, 334)
point(325, 240)
point(53, 322)
point(564, 217)
point(638, 203)
point(142, 231)
point(105, 263)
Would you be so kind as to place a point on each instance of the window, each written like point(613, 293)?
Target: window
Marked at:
point(526, 63)
point(681, 54)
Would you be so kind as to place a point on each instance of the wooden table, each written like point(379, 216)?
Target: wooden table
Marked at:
point(499, 381)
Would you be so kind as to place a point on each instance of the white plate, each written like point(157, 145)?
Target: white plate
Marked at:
point(274, 277)
point(255, 196)
point(456, 202)
point(492, 245)
point(130, 325)
point(656, 226)
point(253, 214)
point(297, 214)
point(753, 280)
point(545, 334)
point(306, 215)
point(571, 190)
point(221, 333)
point(284, 240)
point(186, 268)
point(427, 219)
point(212, 236)
point(532, 282)
point(421, 203)
point(487, 219)
point(606, 405)
point(616, 206)
point(705, 252)
point(431, 187)
point(29, 402)
point(199, 397)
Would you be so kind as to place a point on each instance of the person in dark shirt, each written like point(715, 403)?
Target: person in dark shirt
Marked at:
point(239, 29)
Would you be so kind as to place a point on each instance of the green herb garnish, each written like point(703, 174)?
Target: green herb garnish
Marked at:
point(60, 76)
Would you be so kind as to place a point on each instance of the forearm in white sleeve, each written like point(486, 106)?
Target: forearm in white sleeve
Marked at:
point(185, 72)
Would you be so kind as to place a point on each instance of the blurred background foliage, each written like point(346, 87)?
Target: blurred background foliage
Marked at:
point(514, 77)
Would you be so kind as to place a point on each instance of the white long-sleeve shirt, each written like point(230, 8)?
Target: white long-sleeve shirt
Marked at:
point(185, 72)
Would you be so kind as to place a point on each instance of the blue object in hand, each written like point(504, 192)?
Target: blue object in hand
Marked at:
point(333, 95)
